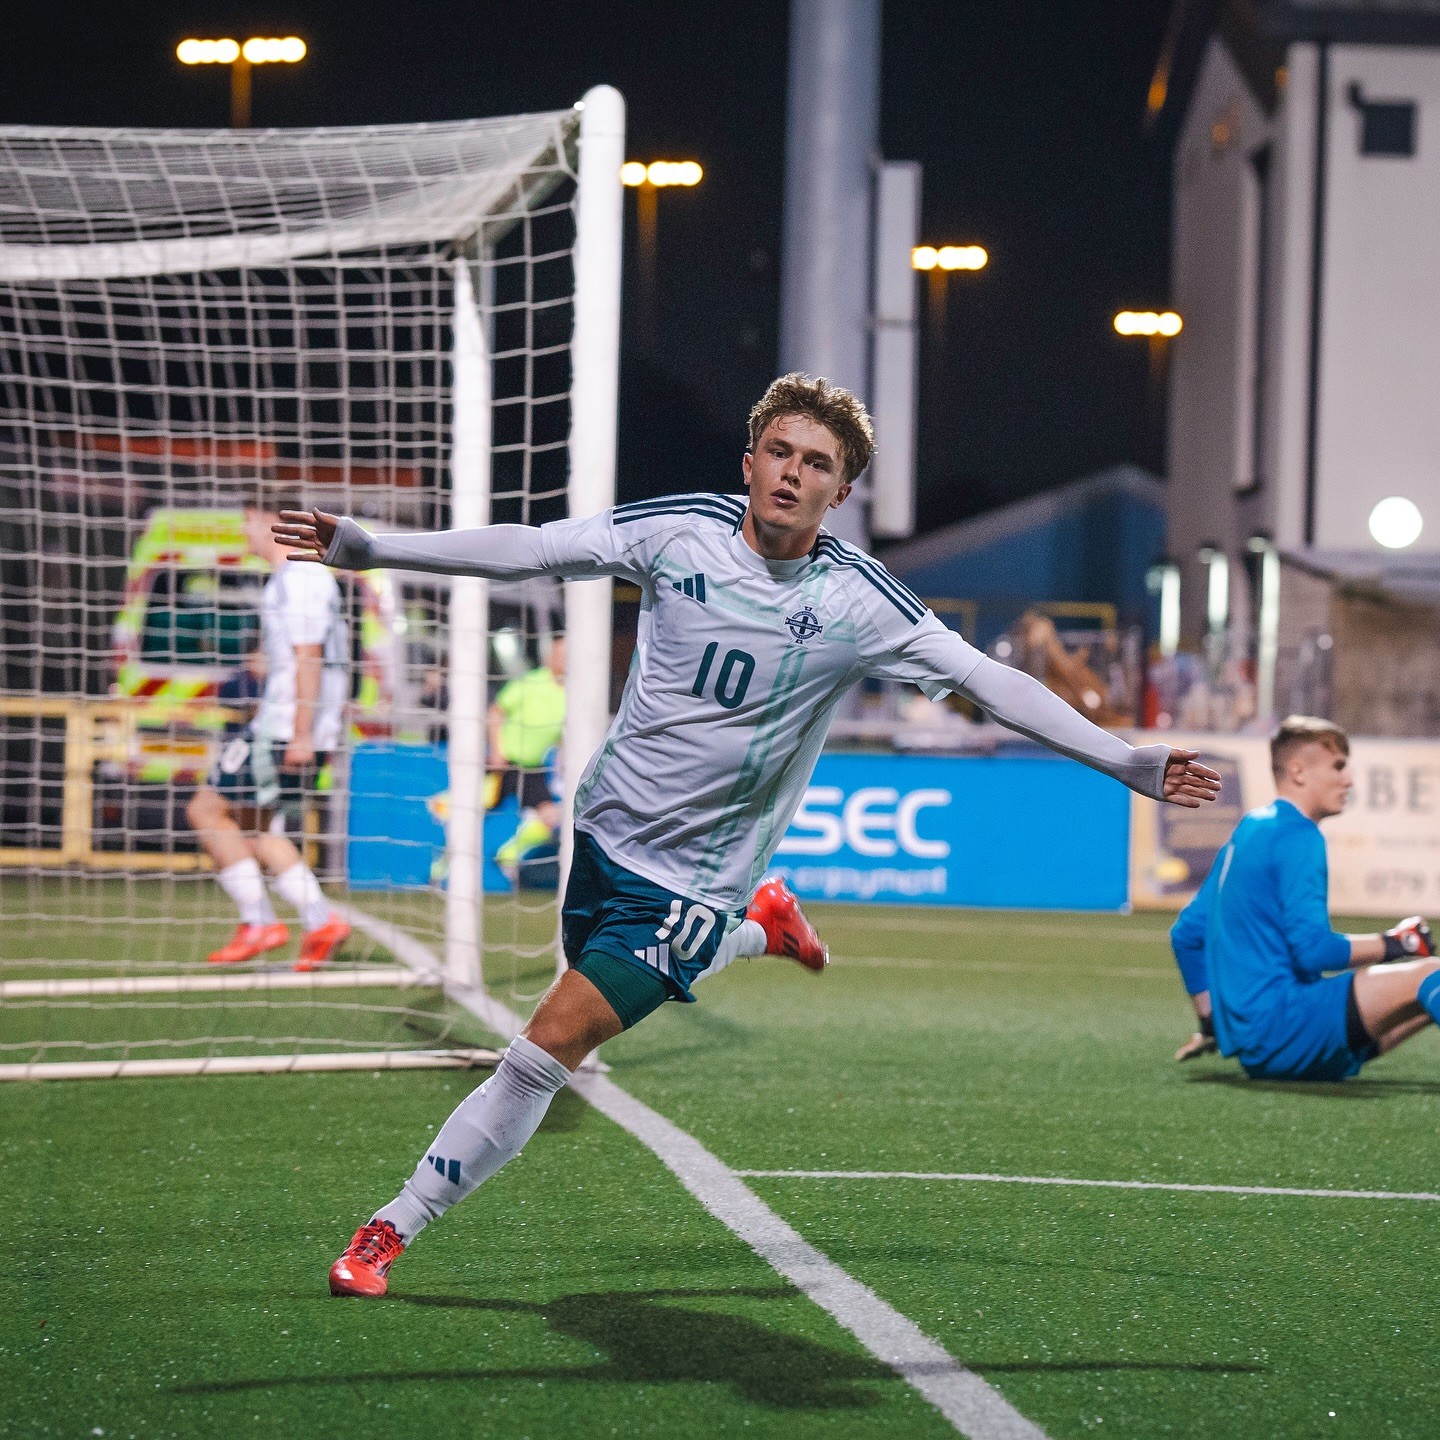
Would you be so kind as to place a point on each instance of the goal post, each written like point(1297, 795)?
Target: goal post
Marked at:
point(416, 325)
point(594, 411)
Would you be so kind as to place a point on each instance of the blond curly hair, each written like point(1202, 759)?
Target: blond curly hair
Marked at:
point(840, 412)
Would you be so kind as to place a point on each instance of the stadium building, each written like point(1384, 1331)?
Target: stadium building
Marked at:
point(1304, 496)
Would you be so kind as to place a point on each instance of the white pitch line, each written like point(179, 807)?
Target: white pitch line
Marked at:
point(980, 1178)
point(961, 1396)
point(420, 958)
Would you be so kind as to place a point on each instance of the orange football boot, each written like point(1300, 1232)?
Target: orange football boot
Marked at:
point(787, 931)
point(362, 1269)
point(319, 945)
point(248, 941)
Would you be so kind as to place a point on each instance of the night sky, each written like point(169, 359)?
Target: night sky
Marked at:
point(1026, 116)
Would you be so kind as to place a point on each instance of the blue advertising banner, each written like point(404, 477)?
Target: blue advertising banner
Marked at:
point(399, 801)
point(1011, 832)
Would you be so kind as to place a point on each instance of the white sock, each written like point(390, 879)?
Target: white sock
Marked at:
point(244, 884)
point(484, 1131)
point(747, 938)
point(300, 890)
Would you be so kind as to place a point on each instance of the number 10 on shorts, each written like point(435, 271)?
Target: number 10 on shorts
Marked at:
point(695, 930)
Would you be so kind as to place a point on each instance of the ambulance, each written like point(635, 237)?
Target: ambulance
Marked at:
point(190, 622)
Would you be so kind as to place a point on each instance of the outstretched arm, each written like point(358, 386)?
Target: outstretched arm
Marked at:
point(935, 658)
point(576, 549)
point(1025, 705)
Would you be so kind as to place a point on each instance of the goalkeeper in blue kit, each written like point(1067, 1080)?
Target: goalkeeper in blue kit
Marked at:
point(1271, 982)
point(754, 624)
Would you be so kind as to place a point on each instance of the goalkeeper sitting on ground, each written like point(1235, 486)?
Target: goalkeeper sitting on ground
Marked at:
point(1255, 946)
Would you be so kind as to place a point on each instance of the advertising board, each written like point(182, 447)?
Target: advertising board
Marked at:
point(1021, 832)
point(1384, 850)
point(1011, 832)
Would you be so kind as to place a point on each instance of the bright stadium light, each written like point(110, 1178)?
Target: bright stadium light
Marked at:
point(661, 174)
point(207, 52)
point(962, 257)
point(949, 257)
point(261, 51)
point(1396, 522)
point(647, 180)
point(257, 50)
point(1165, 323)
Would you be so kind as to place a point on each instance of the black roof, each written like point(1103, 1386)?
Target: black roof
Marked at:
point(1257, 32)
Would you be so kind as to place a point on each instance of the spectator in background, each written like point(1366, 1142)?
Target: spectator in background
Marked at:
point(525, 725)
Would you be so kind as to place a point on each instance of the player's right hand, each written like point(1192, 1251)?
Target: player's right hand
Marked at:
point(308, 533)
point(1409, 940)
point(1198, 1044)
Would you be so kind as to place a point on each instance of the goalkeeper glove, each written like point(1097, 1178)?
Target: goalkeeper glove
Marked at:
point(1410, 939)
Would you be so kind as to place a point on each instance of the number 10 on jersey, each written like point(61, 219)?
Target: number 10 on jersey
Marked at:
point(733, 678)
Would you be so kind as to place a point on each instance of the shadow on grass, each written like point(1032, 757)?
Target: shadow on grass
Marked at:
point(650, 1338)
point(1372, 1089)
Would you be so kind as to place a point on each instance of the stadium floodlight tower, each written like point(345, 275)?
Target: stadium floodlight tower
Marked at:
point(417, 325)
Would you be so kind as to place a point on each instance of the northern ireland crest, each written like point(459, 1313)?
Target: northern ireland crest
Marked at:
point(804, 625)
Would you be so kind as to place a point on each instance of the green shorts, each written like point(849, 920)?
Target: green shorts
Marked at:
point(250, 771)
point(636, 942)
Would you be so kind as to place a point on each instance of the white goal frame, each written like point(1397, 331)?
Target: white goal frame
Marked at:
point(595, 352)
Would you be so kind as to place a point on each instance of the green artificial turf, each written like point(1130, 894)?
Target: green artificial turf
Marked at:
point(173, 1235)
point(168, 1242)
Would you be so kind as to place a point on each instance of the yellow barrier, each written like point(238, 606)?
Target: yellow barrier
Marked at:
point(95, 731)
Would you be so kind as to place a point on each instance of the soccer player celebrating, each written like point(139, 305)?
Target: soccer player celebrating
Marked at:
point(1255, 947)
point(754, 624)
point(261, 777)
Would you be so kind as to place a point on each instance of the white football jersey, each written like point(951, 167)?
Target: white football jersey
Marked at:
point(739, 667)
point(740, 664)
point(301, 605)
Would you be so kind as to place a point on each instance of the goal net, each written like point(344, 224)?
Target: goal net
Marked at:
point(414, 325)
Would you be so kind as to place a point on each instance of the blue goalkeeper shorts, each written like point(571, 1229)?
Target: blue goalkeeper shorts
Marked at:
point(1310, 1035)
point(612, 911)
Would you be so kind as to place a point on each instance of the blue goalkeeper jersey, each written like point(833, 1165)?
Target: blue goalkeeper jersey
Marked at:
point(1260, 926)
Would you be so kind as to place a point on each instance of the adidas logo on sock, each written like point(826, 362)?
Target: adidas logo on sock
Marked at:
point(449, 1169)
point(694, 587)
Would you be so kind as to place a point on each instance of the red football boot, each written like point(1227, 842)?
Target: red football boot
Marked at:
point(787, 931)
point(248, 941)
point(362, 1269)
point(319, 945)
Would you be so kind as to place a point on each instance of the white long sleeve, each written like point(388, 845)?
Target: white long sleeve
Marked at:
point(935, 658)
point(572, 549)
point(1023, 704)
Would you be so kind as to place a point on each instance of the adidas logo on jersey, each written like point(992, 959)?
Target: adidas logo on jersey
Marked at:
point(694, 587)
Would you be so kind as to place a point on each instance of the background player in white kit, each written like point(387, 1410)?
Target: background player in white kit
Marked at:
point(754, 624)
point(261, 778)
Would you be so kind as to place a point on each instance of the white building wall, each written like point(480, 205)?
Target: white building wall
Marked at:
point(1379, 395)
point(1211, 459)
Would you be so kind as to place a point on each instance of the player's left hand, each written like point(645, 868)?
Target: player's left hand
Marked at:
point(1187, 782)
point(1409, 940)
point(298, 754)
